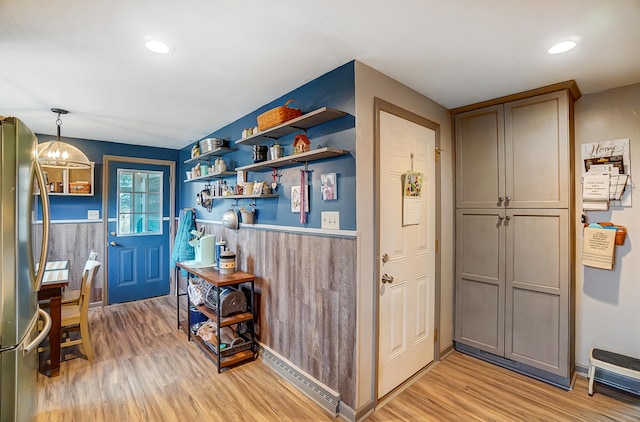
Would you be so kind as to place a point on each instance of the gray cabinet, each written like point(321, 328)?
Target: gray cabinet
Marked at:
point(514, 257)
point(515, 154)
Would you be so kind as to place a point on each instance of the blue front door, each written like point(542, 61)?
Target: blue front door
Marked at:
point(138, 240)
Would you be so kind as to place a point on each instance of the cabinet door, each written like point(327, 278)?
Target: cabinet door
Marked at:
point(537, 145)
point(538, 264)
point(480, 279)
point(480, 158)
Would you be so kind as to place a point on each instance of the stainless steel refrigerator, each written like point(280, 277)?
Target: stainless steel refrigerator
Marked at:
point(24, 220)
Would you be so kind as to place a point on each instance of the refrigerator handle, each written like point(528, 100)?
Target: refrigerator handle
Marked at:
point(42, 335)
point(46, 219)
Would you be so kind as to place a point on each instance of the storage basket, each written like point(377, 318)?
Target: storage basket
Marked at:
point(240, 344)
point(79, 187)
point(621, 232)
point(278, 115)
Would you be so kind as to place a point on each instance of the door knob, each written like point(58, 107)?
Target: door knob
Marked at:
point(386, 278)
point(113, 233)
point(112, 243)
point(385, 258)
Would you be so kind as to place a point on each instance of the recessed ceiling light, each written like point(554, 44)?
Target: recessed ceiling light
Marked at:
point(157, 46)
point(562, 47)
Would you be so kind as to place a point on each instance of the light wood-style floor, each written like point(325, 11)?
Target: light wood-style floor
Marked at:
point(145, 370)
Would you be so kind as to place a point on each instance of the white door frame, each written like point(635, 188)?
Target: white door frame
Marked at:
point(379, 106)
point(106, 161)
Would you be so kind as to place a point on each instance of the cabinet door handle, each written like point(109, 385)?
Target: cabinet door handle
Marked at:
point(508, 218)
point(500, 200)
point(385, 258)
point(500, 217)
point(386, 278)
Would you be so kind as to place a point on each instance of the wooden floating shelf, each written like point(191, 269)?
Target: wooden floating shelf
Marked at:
point(217, 152)
point(211, 176)
point(295, 159)
point(304, 122)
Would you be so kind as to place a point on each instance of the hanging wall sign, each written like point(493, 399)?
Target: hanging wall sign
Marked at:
point(412, 198)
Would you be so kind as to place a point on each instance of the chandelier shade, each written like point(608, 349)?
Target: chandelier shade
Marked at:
point(58, 153)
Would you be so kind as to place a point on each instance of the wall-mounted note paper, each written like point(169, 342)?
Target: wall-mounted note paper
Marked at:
point(595, 187)
point(598, 248)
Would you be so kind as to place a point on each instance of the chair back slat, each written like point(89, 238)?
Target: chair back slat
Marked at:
point(91, 268)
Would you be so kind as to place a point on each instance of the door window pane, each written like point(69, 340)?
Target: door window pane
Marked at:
point(155, 203)
point(126, 181)
point(125, 202)
point(140, 184)
point(124, 224)
point(155, 183)
point(139, 202)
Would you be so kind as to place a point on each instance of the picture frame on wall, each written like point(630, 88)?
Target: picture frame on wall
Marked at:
point(295, 199)
point(329, 186)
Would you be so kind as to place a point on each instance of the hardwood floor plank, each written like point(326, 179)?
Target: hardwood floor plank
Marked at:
point(464, 388)
point(146, 370)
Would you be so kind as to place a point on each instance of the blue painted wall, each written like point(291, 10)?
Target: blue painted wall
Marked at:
point(76, 207)
point(335, 89)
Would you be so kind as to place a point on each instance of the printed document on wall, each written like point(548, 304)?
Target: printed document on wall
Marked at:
point(598, 248)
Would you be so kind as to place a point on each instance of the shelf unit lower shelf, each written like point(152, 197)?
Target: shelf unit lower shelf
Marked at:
point(226, 361)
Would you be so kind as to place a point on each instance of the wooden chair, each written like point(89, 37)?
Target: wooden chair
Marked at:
point(72, 296)
point(75, 317)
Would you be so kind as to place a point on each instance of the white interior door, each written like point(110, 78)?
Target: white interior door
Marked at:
point(406, 305)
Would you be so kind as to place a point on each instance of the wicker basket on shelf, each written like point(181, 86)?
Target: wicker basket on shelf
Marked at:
point(278, 115)
point(621, 232)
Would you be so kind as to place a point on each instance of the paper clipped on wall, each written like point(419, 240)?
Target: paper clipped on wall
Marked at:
point(598, 248)
point(412, 198)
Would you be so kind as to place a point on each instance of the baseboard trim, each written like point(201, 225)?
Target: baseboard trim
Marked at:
point(446, 351)
point(326, 398)
point(610, 379)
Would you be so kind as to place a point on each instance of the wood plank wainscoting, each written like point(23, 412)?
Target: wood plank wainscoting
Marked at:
point(72, 242)
point(146, 370)
point(306, 300)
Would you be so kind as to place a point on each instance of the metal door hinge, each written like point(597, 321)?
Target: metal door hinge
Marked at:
point(438, 151)
point(437, 246)
point(435, 335)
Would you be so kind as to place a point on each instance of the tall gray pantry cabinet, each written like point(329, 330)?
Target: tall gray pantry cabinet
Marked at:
point(514, 247)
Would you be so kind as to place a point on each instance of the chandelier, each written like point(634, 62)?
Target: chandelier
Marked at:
point(58, 153)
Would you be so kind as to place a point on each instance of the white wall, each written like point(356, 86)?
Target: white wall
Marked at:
point(608, 302)
point(369, 84)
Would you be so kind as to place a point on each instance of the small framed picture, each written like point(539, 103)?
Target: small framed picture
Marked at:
point(257, 188)
point(329, 186)
point(295, 199)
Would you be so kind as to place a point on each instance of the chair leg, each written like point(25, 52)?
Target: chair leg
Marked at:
point(592, 375)
point(86, 339)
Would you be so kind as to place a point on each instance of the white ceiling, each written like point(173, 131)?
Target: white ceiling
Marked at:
point(231, 57)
